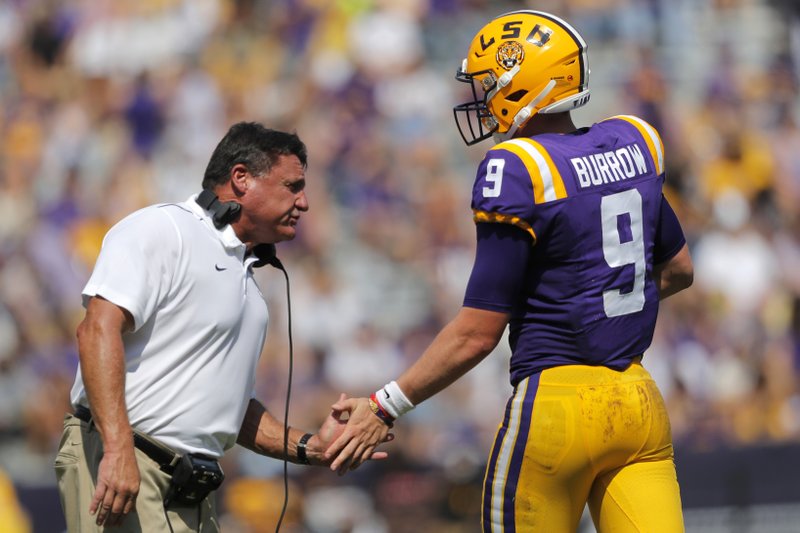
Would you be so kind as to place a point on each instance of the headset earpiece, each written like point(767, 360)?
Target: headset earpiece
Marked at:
point(222, 213)
point(227, 213)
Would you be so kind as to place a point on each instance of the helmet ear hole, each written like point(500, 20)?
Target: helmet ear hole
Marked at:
point(516, 96)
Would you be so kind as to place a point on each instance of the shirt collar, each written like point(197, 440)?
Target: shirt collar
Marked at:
point(226, 234)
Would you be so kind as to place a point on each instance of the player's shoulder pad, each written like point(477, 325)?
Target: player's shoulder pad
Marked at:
point(650, 136)
point(538, 166)
point(503, 191)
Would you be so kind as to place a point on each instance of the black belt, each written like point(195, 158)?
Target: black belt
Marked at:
point(165, 458)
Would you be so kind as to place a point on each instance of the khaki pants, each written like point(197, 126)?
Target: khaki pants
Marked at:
point(76, 467)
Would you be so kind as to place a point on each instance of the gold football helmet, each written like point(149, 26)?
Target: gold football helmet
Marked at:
point(524, 62)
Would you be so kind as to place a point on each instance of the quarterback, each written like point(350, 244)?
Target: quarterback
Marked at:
point(576, 246)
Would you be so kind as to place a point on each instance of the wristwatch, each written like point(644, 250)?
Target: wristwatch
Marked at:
point(302, 458)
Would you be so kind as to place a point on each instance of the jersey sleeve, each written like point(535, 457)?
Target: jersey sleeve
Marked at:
point(136, 264)
point(669, 235)
point(503, 190)
point(501, 264)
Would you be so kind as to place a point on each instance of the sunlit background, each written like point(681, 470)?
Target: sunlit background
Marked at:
point(107, 106)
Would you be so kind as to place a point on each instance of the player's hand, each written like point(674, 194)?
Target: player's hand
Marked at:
point(332, 428)
point(117, 487)
point(362, 433)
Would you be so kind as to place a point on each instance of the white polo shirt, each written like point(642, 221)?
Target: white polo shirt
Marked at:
point(200, 322)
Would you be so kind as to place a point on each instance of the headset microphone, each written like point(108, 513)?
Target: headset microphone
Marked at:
point(266, 256)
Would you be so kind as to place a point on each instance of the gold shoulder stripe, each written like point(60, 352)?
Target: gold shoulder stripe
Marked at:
point(651, 137)
point(483, 216)
point(545, 177)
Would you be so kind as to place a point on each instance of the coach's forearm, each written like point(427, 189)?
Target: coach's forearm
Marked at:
point(263, 433)
point(102, 360)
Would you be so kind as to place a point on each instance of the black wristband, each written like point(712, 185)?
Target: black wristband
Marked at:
point(302, 458)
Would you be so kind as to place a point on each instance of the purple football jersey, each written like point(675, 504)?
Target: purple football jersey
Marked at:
point(591, 201)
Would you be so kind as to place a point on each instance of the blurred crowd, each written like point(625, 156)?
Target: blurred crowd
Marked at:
point(110, 105)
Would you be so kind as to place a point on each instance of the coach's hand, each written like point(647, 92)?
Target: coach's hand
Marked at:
point(117, 486)
point(333, 428)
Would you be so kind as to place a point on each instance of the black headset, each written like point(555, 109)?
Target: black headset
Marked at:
point(223, 213)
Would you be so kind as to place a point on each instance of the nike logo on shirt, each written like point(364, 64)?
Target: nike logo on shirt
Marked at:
point(219, 268)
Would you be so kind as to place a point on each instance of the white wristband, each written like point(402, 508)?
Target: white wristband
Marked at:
point(393, 400)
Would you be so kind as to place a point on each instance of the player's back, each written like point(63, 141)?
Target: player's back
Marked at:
point(591, 202)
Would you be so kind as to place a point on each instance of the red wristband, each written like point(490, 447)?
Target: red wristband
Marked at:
point(379, 411)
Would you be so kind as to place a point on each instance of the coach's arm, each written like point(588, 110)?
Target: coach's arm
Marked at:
point(264, 434)
point(102, 360)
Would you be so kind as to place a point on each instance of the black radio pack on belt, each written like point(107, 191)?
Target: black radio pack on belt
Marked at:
point(194, 477)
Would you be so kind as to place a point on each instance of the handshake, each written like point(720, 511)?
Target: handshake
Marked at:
point(344, 443)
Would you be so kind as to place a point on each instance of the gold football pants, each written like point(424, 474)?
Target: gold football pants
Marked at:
point(578, 434)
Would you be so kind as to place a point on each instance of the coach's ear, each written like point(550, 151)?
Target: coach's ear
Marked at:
point(239, 179)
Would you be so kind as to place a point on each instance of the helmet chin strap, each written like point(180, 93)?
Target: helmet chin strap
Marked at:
point(502, 82)
point(525, 113)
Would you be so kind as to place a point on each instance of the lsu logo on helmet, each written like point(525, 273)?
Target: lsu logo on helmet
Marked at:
point(520, 64)
point(510, 54)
